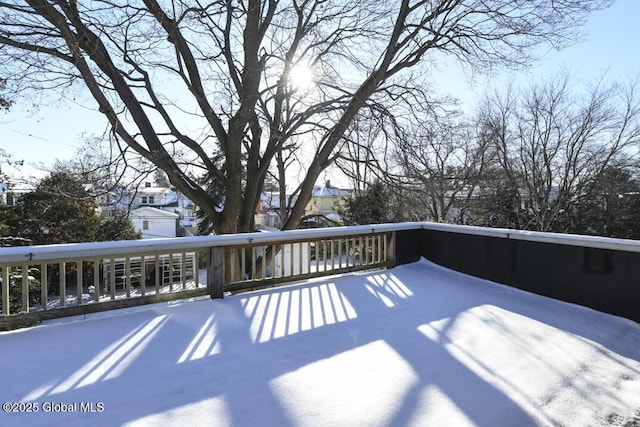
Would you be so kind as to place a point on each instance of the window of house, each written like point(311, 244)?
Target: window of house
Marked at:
point(150, 199)
point(143, 199)
point(147, 225)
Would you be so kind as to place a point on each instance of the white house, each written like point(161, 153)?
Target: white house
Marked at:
point(12, 191)
point(153, 198)
point(153, 223)
point(294, 260)
point(154, 195)
point(324, 200)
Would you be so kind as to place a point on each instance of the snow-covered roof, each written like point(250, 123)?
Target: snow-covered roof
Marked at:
point(334, 217)
point(327, 190)
point(414, 345)
point(271, 200)
point(148, 212)
point(17, 186)
point(153, 190)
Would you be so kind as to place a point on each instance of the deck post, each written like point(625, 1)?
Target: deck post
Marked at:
point(215, 272)
point(390, 243)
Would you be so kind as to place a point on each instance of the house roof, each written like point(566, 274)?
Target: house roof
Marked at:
point(148, 211)
point(17, 186)
point(271, 200)
point(327, 190)
point(153, 190)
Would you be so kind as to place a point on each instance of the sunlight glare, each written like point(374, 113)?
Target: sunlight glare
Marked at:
point(301, 76)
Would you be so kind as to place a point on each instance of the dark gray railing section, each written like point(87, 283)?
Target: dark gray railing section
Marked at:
point(40, 282)
point(597, 272)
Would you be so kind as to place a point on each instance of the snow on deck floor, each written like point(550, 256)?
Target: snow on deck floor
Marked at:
point(416, 345)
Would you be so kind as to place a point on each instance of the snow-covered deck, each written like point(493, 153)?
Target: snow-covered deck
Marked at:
point(415, 345)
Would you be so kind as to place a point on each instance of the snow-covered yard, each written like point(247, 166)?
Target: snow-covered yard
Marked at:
point(416, 345)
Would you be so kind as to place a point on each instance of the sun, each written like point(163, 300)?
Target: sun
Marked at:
point(301, 77)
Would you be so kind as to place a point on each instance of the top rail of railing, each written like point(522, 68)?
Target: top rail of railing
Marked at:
point(40, 253)
point(51, 253)
point(537, 236)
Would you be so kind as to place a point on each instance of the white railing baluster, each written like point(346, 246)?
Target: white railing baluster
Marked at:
point(96, 279)
point(232, 264)
point(79, 281)
point(365, 250)
point(171, 272)
point(127, 276)
point(157, 274)
point(183, 270)
point(243, 262)
point(273, 261)
point(282, 270)
point(112, 278)
point(385, 249)
point(143, 276)
point(324, 255)
point(5, 290)
point(24, 269)
point(44, 288)
point(254, 255)
point(63, 283)
point(196, 269)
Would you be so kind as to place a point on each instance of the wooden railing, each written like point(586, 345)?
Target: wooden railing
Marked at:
point(42, 282)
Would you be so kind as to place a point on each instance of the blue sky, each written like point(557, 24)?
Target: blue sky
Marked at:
point(610, 47)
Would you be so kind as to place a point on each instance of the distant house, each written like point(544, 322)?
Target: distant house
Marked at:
point(150, 195)
point(153, 222)
point(11, 191)
point(325, 199)
point(168, 199)
point(267, 212)
point(156, 198)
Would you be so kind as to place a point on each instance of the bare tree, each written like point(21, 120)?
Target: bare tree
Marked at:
point(182, 82)
point(365, 152)
point(551, 143)
point(444, 164)
point(94, 162)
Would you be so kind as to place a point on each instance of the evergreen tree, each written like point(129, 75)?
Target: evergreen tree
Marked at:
point(498, 206)
point(61, 210)
point(374, 205)
point(117, 228)
point(610, 208)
